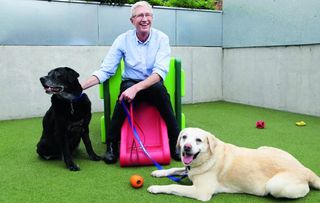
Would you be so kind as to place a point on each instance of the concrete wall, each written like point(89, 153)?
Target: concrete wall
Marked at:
point(203, 67)
point(271, 54)
point(256, 64)
point(81, 23)
point(22, 95)
point(249, 23)
point(284, 78)
point(37, 36)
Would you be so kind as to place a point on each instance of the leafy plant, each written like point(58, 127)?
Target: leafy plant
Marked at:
point(195, 4)
point(111, 2)
point(156, 2)
point(151, 2)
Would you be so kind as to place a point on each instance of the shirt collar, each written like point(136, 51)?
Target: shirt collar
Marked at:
point(143, 43)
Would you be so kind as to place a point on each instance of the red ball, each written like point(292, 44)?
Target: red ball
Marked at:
point(260, 124)
point(136, 181)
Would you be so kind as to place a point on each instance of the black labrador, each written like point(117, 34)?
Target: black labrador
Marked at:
point(67, 120)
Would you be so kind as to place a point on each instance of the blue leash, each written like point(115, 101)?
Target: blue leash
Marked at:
point(136, 135)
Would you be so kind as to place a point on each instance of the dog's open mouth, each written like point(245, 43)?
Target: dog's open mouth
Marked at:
point(53, 89)
point(187, 158)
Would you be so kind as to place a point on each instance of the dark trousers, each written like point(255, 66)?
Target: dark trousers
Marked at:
point(155, 95)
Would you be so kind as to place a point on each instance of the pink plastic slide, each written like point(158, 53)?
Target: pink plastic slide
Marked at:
point(152, 131)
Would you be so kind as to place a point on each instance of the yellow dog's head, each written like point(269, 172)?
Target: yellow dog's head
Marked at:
point(196, 146)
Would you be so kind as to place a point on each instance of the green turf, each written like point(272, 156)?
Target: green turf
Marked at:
point(26, 178)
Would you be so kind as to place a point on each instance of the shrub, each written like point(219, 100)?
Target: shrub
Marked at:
point(151, 2)
point(196, 4)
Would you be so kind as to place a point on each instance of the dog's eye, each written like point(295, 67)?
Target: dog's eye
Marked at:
point(57, 74)
point(198, 140)
point(184, 137)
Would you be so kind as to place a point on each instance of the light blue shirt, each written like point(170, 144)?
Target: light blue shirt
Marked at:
point(141, 59)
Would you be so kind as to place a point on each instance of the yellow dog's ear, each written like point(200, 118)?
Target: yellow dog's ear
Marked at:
point(178, 141)
point(212, 142)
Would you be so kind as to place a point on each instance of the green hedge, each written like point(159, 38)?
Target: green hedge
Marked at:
point(195, 4)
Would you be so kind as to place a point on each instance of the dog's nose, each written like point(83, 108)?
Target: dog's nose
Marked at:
point(187, 147)
point(42, 80)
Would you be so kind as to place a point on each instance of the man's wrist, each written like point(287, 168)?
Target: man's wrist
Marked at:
point(137, 87)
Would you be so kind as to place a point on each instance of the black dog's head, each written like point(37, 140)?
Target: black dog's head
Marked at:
point(62, 81)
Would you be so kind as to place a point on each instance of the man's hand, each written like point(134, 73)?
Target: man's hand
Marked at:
point(129, 94)
point(91, 81)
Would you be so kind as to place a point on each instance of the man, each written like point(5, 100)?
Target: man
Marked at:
point(146, 55)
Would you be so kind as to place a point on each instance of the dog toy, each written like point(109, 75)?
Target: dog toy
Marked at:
point(300, 123)
point(136, 181)
point(260, 124)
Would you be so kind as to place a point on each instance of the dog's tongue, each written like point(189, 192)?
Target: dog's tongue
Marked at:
point(187, 159)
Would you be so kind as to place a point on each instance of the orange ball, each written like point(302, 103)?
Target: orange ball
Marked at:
point(136, 181)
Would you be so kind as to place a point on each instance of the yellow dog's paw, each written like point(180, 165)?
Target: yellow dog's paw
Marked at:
point(153, 189)
point(158, 173)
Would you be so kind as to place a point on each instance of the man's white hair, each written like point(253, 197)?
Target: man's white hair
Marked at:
point(138, 4)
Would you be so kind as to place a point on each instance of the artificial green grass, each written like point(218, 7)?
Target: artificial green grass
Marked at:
point(26, 178)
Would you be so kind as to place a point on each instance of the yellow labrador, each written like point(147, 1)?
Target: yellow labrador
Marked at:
point(217, 167)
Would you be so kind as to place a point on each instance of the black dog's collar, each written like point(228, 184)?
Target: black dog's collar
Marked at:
point(77, 98)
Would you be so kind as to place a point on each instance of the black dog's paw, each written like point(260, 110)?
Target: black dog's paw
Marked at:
point(73, 167)
point(95, 157)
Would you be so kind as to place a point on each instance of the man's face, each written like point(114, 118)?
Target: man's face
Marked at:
point(142, 19)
